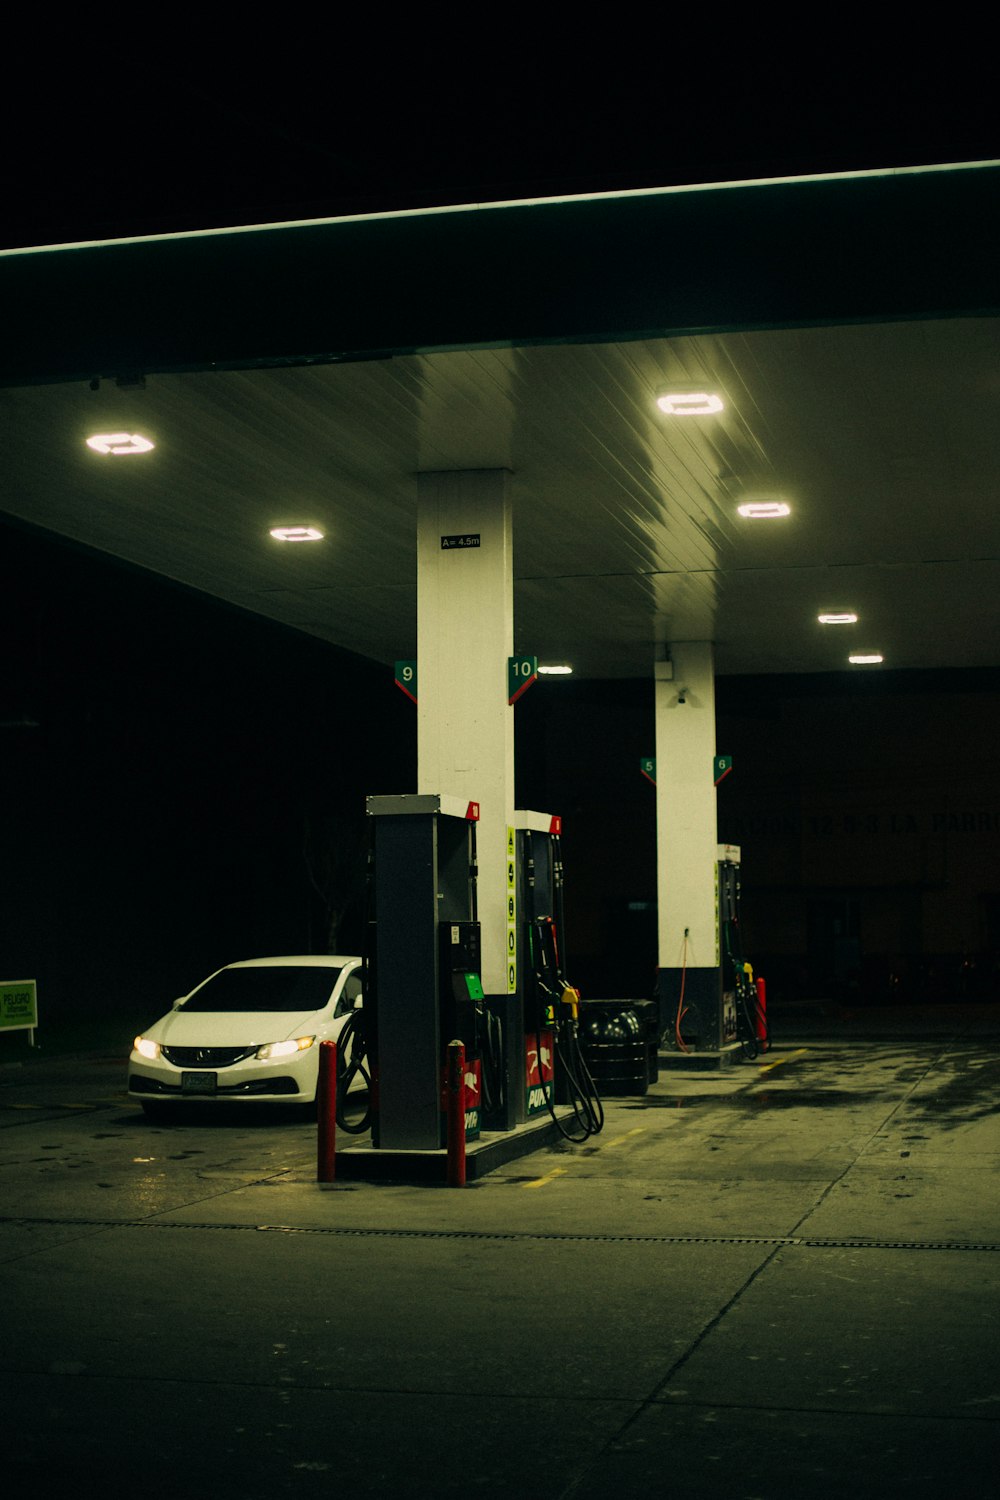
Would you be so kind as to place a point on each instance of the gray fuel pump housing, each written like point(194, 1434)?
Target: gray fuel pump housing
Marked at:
point(425, 919)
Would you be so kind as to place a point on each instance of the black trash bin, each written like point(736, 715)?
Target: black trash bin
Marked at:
point(613, 1042)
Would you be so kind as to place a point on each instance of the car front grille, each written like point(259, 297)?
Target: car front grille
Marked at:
point(206, 1057)
point(245, 1090)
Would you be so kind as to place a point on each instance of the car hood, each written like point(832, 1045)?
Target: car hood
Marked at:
point(212, 1029)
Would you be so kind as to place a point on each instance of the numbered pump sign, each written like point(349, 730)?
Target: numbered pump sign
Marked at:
point(406, 678)
point(522, 671)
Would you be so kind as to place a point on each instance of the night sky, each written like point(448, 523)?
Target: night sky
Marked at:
point(134, 134)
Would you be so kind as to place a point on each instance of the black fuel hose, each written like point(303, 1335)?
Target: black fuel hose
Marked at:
point(352, 1064)
point(749, 1011)
point(588, 1111)
point(492, 1061)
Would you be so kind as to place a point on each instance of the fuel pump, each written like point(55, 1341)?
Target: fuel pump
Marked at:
point(423, 981)
point(727, 913)
point(717, 1009)
point(463, 1011)
point(555, 1070)
point(748, 1016)
point(531, 932)
point(422, 984)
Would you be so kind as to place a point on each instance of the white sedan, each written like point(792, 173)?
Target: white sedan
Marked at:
point(251, 1031)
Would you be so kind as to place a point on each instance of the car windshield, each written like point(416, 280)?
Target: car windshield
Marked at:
point(272, 987)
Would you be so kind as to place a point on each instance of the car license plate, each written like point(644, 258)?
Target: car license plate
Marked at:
point(199, 1083)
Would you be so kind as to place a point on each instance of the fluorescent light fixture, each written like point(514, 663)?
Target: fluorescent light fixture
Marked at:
point(119, 443)
point(872, 659)
point(561, 669)
point(764, 510)
point(847, 618)
point(296, 533)
point(689, 403)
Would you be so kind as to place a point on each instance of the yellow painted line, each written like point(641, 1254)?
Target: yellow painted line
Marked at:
point(779, 1060)
point(620, 1140)
point(541, 1181)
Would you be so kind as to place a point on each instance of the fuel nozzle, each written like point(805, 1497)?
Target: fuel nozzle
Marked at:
point(571, 998)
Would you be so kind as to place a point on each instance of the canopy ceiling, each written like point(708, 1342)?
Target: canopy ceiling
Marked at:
point(308, 374)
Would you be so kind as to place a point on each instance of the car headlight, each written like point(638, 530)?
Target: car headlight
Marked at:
point(286, 1049)
point(146, 1048)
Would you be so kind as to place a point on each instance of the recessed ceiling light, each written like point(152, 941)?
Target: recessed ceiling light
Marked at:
point(870, 660)
point(764, 510)
point(847, 618)
point(119, 443)
point(296, 534)
point(689, 403)
point(561, 669)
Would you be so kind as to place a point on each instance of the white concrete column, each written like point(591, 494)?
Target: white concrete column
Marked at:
point(686, 827)
point(465, 634)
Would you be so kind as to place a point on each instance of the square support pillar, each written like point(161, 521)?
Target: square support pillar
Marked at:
point(686, 823)
point(465, 635)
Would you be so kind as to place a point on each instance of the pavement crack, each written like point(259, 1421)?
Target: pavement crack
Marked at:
point(656, 1395)
point(834, 1182)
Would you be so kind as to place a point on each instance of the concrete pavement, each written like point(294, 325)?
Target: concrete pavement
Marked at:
point(773, 1282)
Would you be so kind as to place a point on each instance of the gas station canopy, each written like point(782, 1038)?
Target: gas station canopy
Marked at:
point(831, 345)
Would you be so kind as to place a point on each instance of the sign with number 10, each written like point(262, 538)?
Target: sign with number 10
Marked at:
point(522, 671)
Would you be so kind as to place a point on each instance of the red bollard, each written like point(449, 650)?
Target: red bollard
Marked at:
point(456, 1114)
point(760, 1020)
point(326, 1113)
